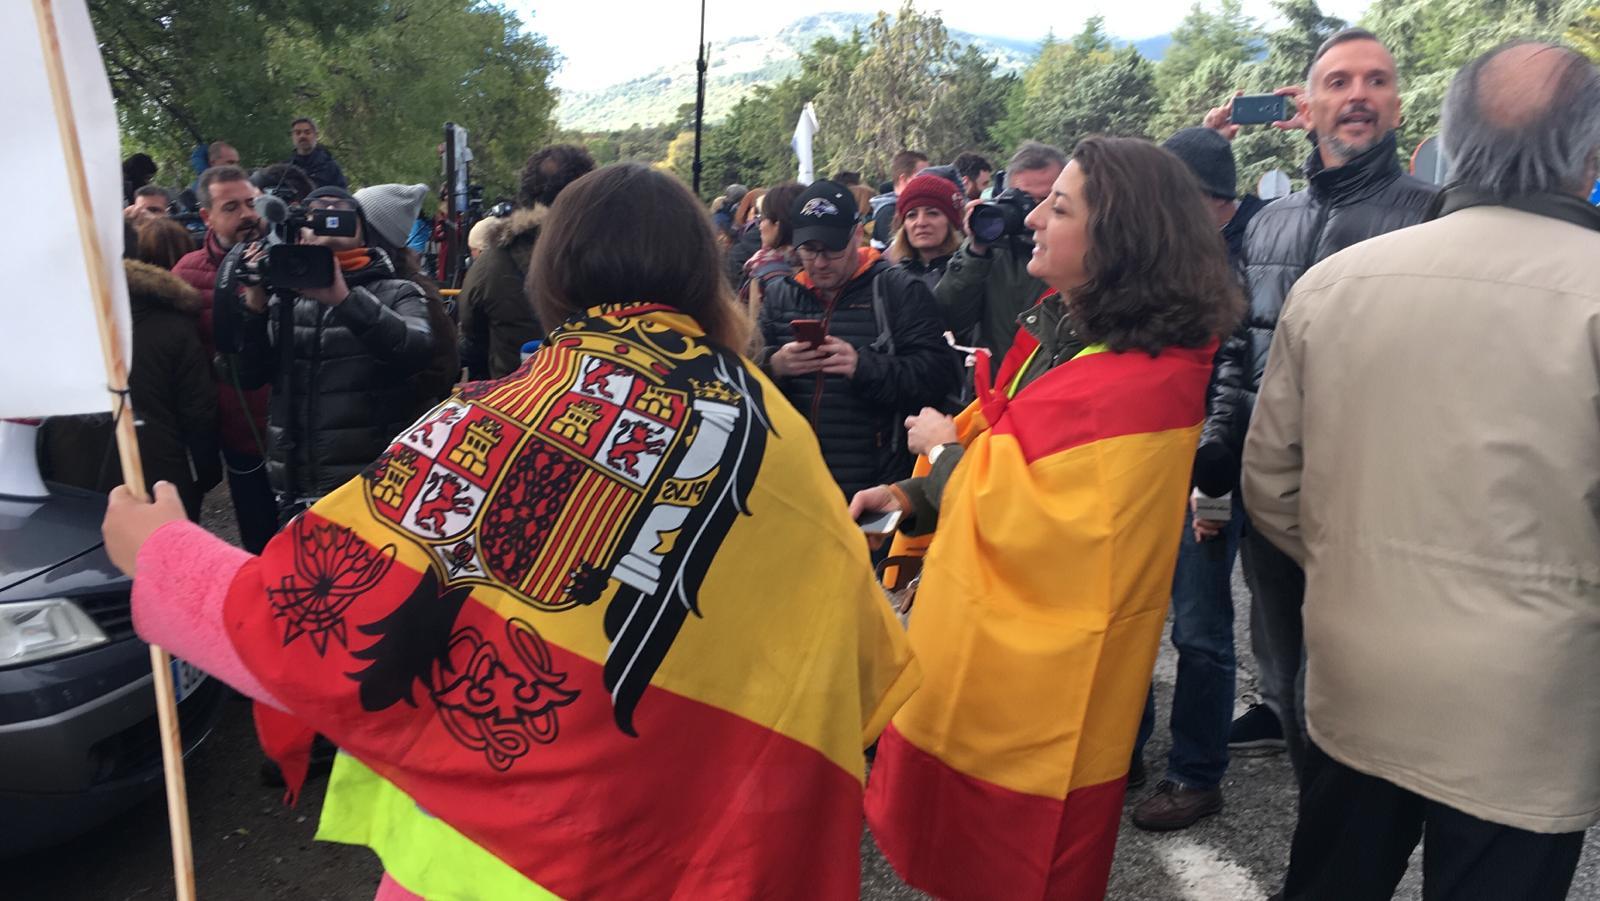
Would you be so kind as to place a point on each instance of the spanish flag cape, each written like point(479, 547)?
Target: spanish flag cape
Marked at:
point(1036, 626)
point(599, 629)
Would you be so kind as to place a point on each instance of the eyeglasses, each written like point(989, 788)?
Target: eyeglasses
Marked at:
point(811, 252)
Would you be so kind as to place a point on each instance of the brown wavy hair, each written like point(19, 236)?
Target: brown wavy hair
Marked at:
point(1158, 269)
point(163, 242)
point(626, 233)
point(747, 207)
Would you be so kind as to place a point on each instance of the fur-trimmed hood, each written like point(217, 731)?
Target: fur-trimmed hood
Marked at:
point(506, 229)
point(156, 287)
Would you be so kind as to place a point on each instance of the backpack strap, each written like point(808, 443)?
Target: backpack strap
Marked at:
point(885, 341)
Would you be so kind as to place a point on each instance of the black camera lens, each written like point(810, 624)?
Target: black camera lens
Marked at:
point(1006, 214)
point(988, 223)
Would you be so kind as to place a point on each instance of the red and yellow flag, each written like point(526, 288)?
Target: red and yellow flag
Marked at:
point(1036, 627)
point(599, 629)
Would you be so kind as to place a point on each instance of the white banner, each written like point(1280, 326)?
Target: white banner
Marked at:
point(50, 357)
point(804, 131)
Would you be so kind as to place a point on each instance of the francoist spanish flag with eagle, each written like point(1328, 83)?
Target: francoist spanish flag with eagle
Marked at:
point(600, 629)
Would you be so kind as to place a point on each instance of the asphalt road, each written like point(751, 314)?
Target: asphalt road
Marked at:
point(249, 847)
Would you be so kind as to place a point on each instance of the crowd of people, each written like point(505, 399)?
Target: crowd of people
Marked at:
point(1079, 387)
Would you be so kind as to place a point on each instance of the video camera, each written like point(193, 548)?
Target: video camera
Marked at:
point(290, 265)
point(1002, 216)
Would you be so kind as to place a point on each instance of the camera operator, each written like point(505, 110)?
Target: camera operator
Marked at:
point(343, 387)
point(227, 208)
point(986, 282)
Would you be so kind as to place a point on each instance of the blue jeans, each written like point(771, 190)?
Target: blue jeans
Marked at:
point(1202, 631)
point(1277, 637)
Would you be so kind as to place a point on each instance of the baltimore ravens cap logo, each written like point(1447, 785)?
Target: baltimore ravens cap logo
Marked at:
point(819, 207)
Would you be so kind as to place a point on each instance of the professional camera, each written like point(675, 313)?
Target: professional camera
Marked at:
point(291, 266)
point(1002, 216)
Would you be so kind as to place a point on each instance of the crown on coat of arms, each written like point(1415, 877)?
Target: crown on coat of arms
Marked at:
point(712, 390)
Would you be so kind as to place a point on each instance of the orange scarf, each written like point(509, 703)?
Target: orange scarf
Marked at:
point(351, 260)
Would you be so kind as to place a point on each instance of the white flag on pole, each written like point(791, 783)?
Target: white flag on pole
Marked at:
point(804, 131)
point(50, 357)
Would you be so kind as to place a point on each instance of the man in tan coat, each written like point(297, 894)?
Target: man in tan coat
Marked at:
point(1427, 445)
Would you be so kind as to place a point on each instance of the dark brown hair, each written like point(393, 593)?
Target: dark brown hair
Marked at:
point(1158, 269)
point(214, 175)
point(625, 234)
point(163, 242)
point(776, 207)
point(905, 163)
point(550, 170)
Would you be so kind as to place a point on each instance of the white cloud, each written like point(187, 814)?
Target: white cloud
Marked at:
point(610, 41)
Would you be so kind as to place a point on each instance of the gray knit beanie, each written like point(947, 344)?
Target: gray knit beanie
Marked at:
point(390, 210)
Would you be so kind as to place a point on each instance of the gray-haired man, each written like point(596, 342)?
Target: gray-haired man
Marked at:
point(1425, 444)
point(987, 284)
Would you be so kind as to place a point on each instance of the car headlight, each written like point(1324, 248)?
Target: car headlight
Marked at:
point(31, 631)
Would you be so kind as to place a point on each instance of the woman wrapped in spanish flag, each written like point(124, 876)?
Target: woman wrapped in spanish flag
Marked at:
point(1055, 503)
point(598, 629)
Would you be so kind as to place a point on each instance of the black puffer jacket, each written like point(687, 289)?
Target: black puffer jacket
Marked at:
point(860, 420)
point(350, 387)
point(927, 273)
point(745, 244)
point(1367, 197)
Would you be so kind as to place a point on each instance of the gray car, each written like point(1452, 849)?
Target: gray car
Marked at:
point(78, 737)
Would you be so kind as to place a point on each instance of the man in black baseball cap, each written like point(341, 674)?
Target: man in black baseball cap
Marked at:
point(854, 343)
point(825, 212)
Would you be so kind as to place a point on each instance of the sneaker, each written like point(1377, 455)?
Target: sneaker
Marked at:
point(1174, 806)
point(1256, 732)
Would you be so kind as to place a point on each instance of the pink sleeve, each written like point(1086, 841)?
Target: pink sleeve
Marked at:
point(390, 890)
point(183, 577)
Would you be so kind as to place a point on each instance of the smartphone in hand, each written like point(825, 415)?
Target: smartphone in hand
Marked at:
point(876, 522)
point(1260, 109)
point(809, 331)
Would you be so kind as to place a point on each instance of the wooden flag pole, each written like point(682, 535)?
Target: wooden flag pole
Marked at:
point(127, 441)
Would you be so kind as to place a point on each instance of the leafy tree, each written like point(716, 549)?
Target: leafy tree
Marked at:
point(979, 99)
point(752, 145)
point(380, 77)
point(1209, 58)
point(1080, 88)
point(1431, 41)
point(1585, 33)
point(1290, 48)
point(896, 97)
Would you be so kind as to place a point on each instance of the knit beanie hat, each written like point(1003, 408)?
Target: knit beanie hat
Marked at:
point(935, 191)
point(391, 210)
point(1210, 157)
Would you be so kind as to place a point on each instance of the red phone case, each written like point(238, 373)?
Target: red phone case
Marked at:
point(808, 330)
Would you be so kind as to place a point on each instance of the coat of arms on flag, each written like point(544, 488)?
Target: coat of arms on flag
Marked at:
point(610, 470)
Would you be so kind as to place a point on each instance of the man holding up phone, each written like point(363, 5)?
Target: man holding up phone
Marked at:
point(854, 343)
point(1356, 190)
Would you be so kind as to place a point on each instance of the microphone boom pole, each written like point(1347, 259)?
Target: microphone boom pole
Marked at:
point(700, 97)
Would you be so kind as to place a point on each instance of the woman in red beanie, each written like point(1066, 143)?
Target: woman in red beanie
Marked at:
point(927, 226)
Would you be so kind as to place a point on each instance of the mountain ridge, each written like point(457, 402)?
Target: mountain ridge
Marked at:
point(738, 66)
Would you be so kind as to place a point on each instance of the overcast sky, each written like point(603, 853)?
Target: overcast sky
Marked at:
point(605, 41)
